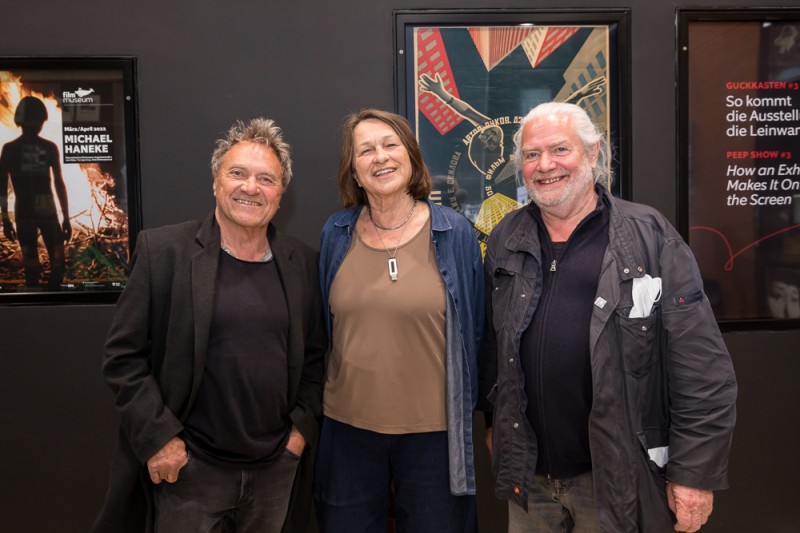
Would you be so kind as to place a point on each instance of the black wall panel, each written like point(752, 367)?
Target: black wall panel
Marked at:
point(203, 64)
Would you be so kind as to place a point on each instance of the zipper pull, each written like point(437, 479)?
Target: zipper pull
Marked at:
point(553, 266)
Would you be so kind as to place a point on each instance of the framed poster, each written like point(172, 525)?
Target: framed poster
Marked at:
point(69, 178)
point(465, 79)
point(739, 161)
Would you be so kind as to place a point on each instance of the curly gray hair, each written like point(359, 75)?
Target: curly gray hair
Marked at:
point(258, 130)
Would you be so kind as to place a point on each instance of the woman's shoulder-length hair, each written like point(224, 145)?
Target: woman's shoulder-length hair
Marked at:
point(419, 186)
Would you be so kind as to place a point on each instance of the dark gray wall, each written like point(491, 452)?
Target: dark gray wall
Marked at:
point(203, 64)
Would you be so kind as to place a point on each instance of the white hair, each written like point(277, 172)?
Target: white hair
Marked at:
point(589, 134)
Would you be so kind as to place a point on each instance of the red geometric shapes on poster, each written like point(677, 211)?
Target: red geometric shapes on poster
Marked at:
point(494, 44)
point(432, 60)
point(555, 37)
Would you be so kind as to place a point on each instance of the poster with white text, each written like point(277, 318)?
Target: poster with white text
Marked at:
point(64, 171)
point(743, 165)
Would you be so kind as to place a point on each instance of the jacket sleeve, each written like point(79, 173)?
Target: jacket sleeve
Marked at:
point(702, 385)
point(487, 360)
point(327, 247)
point(476, 296)
point(307, 411)
point(127, 366)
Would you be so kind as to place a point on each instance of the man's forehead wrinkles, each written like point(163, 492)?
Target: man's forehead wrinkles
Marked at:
point(553, 144)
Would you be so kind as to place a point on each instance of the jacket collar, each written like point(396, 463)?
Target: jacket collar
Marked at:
point(439, 222)
point(622, 244)
point(347, 218)
point(525, 237)
point(208, 234)
point(203, 279)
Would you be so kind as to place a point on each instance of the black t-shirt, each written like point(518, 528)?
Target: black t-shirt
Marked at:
point(241, 411)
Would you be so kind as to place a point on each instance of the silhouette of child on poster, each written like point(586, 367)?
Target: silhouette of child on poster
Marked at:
point(31, 162)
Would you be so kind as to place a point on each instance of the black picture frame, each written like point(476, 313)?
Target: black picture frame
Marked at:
point(496, 65)
point(69, 138)
point(738, 79)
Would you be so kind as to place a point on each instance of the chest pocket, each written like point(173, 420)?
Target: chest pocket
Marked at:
point(639, 336)
point(513, 286)
point(638, 340)
point(642, 342)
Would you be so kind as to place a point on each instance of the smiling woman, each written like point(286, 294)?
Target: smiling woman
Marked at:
point(383, 168)
point(399, 274)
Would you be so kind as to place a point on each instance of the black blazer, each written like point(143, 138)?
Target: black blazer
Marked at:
point(156, 350)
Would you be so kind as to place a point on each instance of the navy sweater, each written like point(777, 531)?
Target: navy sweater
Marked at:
point(554, 349)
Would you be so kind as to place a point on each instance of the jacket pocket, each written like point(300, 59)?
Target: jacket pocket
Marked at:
point(643, 354)
point(511, 296)
point(638, 339)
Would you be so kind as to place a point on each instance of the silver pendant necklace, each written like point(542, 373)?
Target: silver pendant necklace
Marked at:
point(392, 255)
point(392, 262)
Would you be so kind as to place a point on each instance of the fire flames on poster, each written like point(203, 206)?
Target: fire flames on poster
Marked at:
point(96, 255)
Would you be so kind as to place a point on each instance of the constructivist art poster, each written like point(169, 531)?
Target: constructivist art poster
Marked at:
point(743, 166)
point(472, 87)
point(64, 172)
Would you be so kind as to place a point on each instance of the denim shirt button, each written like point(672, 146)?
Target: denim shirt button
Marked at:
point(516, 425)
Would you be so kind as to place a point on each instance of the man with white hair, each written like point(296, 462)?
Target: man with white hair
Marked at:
point(614, 394)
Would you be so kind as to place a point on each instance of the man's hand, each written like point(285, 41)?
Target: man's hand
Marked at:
point(9, 231)
point(168, 461)
point(433, 85)
point(692, 507)
point(296, 443)
point(489, 441)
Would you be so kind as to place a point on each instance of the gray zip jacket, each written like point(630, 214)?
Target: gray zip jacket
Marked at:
point(663, 384)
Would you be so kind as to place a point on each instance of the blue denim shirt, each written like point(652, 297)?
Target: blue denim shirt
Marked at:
point(459, 259)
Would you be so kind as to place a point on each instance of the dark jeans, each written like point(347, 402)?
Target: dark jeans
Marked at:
point(212, 498)
point(556, 506)
point(357, 469)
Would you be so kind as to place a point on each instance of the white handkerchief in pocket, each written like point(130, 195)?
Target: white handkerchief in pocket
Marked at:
point(646, 292)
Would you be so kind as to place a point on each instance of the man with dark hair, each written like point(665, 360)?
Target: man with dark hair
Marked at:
point(215, 356)
point(615, 395)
